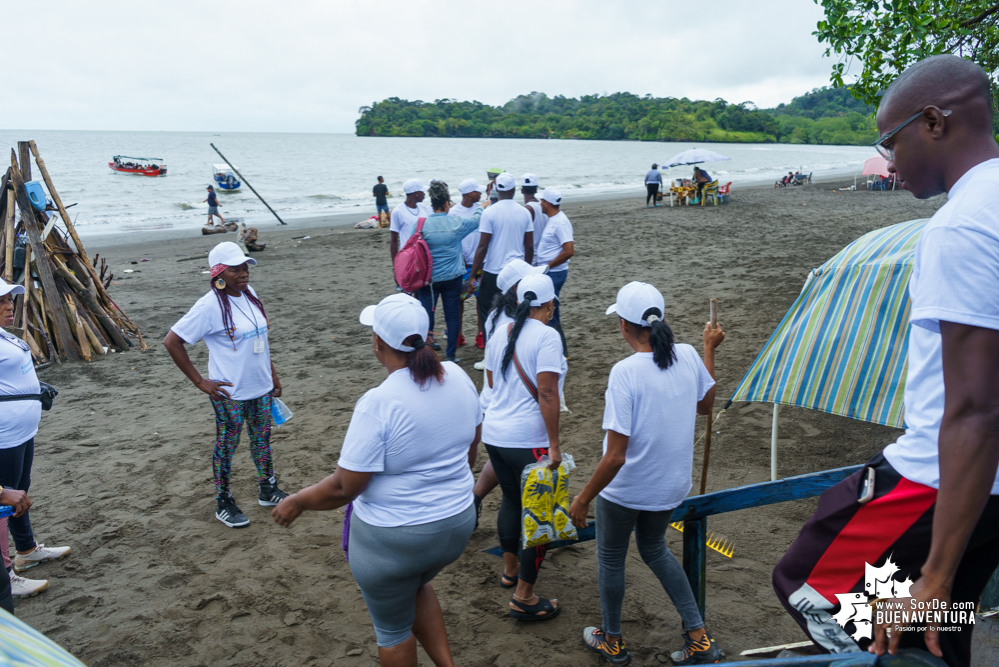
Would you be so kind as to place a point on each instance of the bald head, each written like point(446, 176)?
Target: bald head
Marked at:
point(946, 82)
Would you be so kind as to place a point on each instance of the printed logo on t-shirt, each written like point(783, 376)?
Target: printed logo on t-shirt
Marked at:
point(26, 367)
point(261, 331)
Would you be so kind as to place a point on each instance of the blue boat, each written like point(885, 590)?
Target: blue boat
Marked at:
point(225, 177)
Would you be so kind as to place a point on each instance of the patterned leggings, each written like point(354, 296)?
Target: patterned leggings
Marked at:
point(229, 417)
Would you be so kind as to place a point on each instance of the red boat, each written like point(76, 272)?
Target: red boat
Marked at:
point(146, 166)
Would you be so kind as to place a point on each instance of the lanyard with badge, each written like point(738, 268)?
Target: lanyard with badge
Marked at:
point(259, 346)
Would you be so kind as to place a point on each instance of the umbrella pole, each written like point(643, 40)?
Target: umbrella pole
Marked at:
point(773, 443)
point(708, 417)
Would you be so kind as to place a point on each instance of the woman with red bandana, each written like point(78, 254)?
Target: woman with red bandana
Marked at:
point(234, 325)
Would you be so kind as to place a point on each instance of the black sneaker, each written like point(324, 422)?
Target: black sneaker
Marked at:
point(228, 513)
point(270, 494)
point(700, 652)
point(615, 652)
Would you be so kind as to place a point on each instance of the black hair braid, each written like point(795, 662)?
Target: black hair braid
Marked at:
point(226, 306)
point(505, 301)
point(661, 340)
point(523, 310)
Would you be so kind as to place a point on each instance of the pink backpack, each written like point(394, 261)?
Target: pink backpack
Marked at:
point(413, 265)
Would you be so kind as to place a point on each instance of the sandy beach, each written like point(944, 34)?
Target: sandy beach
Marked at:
point(123, 462)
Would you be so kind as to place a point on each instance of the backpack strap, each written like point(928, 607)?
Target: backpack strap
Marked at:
point(531, 387)
point(419, 227)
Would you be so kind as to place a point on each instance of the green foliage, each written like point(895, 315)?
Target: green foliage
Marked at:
point(889, 35)
point(822, 116)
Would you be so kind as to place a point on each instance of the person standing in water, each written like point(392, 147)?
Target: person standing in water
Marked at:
point(234, 324)
point(213, 206)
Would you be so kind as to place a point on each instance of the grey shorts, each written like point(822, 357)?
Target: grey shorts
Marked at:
point(390, 565)
point(213, 210)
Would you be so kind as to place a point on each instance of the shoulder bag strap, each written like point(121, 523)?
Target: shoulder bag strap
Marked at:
point(21, 397)
point(419, 226)
point(531, 388)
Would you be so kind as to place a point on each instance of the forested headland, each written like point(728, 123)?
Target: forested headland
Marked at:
point(823, 116)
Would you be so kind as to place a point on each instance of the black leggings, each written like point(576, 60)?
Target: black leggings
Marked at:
point(652, 189)
point(509, 463)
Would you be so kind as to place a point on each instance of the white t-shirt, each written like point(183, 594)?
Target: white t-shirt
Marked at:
point(955, 278)
point(513, 418)
point(416, 441)
point(502, 321)
point(656, 409)
point(249, 372)
point(470, 243)
point(403, 220)
point(558, 231)
point(19, 421)
point(507, 221)
point(539, 225)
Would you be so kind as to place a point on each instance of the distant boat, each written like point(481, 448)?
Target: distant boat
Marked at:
point(225, 177)
point(146, 166)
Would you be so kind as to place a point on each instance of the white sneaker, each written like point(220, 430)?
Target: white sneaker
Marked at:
point(479, 365)
point(41, 554)
point(26, 588)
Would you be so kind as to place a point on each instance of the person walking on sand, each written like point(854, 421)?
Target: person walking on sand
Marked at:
point(928, 505)
point(653, 183)
point(213, 207)
point(653, 398)
point(555, 250)
point(471, 194)
point(381, 193)
point(232, 321)
point(505, 233)
point(22, 412)
point(412, 512)
point(521, 426)
point(529, 188)
point(406, 215)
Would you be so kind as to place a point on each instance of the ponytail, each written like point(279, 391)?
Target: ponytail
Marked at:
point(422, 362)
point(523, 310)
point(660, 339)
point(505, 302)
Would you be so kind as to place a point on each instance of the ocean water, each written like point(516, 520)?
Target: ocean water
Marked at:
point(304, 175)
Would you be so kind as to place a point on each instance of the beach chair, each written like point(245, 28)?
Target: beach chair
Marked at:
point(710, 190)
point(723, 192)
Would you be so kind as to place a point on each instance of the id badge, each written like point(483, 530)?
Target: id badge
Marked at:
point(258, 346)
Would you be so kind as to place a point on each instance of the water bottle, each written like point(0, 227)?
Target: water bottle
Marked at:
point(6, 511)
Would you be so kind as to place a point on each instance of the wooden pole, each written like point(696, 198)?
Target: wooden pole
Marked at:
point(248, 185)
point(713, 309)
point(24, 156)
point(58, 202)
point(773, 443)
point(21, 318)
point(8, 266)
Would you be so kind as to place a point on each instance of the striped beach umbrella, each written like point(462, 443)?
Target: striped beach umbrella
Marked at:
point(23, 646)
point(842, 347)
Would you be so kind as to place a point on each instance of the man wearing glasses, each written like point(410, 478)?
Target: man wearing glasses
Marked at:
point(930, 502)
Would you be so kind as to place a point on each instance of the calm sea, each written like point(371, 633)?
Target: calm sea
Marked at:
point(304, 175)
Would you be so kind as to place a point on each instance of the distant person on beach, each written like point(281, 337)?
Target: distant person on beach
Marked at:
point(529, 188)
point(555, 251)
point(232, 321)
point(505, 232)
point(653, 183)
point(701, 178)
point(471, 194)
point(213, 206)
point(381, 192)
point(18, 429)
point(926, 509)
point(653, 398)
point(405, 469)
point(406, 215)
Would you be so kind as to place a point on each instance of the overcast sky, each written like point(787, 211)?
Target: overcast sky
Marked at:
point(308, 65)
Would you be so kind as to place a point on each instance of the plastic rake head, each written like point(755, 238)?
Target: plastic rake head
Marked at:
point(720, 544)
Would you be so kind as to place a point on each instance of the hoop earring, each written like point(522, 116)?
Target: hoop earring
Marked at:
point(220, 284)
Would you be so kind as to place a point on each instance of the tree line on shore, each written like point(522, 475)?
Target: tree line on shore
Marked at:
point(823, 116)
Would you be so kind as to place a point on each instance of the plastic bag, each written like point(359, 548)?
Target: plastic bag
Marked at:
point(280, 412)
point(545, 503)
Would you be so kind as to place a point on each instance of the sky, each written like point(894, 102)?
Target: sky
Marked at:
point(309, 65)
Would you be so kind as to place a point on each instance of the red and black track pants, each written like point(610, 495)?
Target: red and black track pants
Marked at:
point(844, 540)
point(509, 464)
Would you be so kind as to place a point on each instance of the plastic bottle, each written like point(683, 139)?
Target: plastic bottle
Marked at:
point(6, 511)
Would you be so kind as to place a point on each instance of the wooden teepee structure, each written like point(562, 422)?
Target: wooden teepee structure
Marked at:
point(66, 312)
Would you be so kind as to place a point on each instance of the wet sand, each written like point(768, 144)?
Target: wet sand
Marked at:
point(123, 463)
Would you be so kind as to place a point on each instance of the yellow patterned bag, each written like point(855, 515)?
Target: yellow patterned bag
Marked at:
point(545, 503)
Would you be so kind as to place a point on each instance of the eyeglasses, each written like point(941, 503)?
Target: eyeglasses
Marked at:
point(888, 152)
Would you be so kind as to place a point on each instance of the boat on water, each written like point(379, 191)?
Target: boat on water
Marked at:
point(225, 177)
point(146, 166)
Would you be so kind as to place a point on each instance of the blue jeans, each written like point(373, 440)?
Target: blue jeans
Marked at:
point(450, 293)
point(558, 279)
point(614, 526)
point(382, 207)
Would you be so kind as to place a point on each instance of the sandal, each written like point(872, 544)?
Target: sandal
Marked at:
point(508, 582)
point(542, 611)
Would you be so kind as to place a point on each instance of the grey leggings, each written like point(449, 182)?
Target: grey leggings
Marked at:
point(614, 525)
point(390, 565)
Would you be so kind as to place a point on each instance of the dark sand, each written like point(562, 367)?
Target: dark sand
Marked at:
point(123, 463)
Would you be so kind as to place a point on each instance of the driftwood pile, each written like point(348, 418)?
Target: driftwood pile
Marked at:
point(66, 312)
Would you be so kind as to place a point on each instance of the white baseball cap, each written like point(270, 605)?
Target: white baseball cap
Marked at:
point(552, 196)
point(228, 253)
point(470, 185)
point(515, 271)
point(506, 182)
point(529, 179)
point(634, 299)
point(8, 288)
point(540, 284)
point(395, 319)
point(412, 185)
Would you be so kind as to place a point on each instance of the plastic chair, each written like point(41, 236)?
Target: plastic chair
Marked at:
point(723, 192)
point(710, 190)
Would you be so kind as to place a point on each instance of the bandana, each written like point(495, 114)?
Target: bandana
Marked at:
point(218, 268)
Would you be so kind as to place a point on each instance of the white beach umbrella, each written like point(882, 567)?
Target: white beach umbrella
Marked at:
point(695, 156)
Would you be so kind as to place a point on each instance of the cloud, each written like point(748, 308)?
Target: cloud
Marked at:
point(308, 65)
